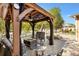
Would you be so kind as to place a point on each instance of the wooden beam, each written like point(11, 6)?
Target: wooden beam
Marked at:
point(5, 10)
point(22, 15)
point(36, 20)
point(40, 20)
point(33, 13)
point(16, 33)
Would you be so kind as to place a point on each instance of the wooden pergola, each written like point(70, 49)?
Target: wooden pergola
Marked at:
point(28, 12)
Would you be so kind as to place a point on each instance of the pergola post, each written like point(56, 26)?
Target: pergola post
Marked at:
point(33, 26)
point(7, 27)
point(21, 5)
point(20, 39)
point(51, 32)
point(16, 33)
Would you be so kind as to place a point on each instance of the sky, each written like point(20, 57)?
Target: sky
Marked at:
point(67, 9)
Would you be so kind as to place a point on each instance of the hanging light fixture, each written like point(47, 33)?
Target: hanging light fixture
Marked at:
point(16, 5)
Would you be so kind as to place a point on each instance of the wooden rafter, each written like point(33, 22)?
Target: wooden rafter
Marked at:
point(34, 13)
point(22, 15)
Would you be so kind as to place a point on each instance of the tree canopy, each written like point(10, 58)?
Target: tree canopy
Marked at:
point(58, 21)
